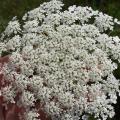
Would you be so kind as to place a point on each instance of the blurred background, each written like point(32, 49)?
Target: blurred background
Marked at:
point(11, 8)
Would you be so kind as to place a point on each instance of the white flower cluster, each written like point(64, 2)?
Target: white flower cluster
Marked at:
point(65, 60)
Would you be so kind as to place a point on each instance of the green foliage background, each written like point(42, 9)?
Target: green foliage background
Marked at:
point(11, 8)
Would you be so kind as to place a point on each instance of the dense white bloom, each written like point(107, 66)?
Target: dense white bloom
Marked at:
point(64, 60)
point(31, 115)
point(2, 47)
point(27, 98)
point(8, 94)
point(30, 26)
point(14, 43)
point(107, 22)
point(13, 27)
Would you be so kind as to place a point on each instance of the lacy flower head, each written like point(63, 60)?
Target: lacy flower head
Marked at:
point(61, 64)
